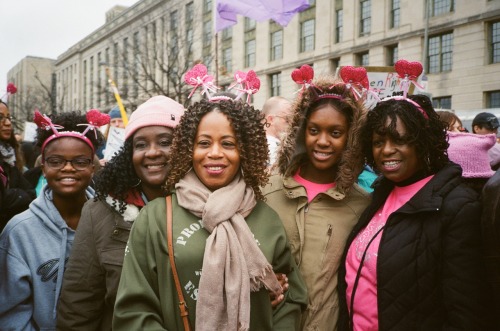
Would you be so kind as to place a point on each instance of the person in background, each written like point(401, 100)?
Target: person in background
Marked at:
point(278, 115)
point(35, 244)
point(490, 224)
point(470, 152)
point(136, 175)
point(453, 123)
point(17, 191)
point(315, 191)
point(413, 261)
point(487, 123)
point(115, 121)
point(220, 225)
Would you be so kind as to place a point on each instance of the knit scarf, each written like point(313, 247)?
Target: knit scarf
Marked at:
point(8, 154)
point(233, 264)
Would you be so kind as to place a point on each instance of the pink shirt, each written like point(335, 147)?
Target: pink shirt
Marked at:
point(365, 301)
point(312, 189)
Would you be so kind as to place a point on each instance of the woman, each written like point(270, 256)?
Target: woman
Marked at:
point(17, 193)
point(413, 261)
point(453, 122)
point(36, 243)
point(219, 155)
point(132, 178)
point(315, 192)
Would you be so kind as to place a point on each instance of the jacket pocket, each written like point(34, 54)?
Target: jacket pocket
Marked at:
point(113, 256)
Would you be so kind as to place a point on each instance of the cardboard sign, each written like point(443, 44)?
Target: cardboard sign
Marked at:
point(116, 138)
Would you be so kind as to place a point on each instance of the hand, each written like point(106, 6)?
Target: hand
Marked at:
point(277, 299)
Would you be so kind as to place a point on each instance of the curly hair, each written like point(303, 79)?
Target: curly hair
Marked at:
point(69, 121)
point(12, 141)
point(250, 135)
point(292, 154)
point(117, 177)
point(428, 135)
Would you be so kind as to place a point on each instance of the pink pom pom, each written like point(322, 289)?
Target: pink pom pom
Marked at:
point(96, 118)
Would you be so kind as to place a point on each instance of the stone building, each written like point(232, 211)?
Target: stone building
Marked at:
point(148, 46)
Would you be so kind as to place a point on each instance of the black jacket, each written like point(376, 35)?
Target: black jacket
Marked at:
point(429, 270)
point(16, 196)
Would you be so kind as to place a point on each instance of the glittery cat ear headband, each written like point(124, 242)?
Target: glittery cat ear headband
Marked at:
point(408, 72)
point(94, 117)
point(245, 83)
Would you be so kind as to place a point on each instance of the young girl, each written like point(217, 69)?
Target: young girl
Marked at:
point(129, 180)
point(35, 244)
point(315, 192)
point(227, 241)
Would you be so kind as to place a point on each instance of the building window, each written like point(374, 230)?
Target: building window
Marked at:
point(493, 99)
point(441, 102)
point(366, 17)
point(392, 55)
point(250, 24)
point(495, 42)
point(250, 53)
point(174, 22)
point(189, 13)
point(440, 53)
point(207, 6)
point(395, 13)
point(362, 59)
point(339, 25)
point(275, 84)
point(439, 7)
point(227, 33)
point(207, 33)
point(307, 35)
point(276, 45)
point(334, 65)
point(227, 55)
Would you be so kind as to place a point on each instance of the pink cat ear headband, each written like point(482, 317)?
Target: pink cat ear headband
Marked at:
point(245, 83)
point(95, 119)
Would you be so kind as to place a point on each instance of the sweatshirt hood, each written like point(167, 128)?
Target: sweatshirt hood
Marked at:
point(54, 223)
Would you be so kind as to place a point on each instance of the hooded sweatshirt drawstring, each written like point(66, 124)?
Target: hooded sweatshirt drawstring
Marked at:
point(60, 271)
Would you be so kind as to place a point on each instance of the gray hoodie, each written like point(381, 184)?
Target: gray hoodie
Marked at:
point(34, 247)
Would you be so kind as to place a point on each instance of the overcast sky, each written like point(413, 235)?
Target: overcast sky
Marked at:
point(46, 28)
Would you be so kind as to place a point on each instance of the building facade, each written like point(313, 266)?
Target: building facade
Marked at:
point(147, 47)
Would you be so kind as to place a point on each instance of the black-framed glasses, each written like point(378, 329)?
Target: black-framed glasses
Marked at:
point(3, 117)
point(80, 163)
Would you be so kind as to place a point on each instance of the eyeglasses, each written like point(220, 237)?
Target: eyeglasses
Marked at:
point(3, 118)
point(58, 163)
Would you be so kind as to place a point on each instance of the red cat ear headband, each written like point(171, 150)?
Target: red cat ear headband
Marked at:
point(245, 83)
point(95, 119)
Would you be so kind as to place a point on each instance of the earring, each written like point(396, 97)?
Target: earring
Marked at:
point(138, 183)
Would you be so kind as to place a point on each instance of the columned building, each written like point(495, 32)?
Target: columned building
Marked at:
point(147, 47)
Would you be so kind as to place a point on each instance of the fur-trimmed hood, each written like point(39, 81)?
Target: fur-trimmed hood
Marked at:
point(292, 152)
point(130, 213)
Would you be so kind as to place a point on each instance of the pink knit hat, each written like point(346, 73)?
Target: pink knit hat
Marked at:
point(470, 151)
point(159, 110)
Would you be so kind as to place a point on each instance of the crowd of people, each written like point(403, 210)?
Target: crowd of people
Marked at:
point(321, 213)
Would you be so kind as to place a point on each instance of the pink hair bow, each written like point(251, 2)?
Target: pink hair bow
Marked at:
point(250, 84)
point(198, 76)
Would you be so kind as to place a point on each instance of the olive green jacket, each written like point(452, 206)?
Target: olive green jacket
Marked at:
point(147, 299)
point(317, 232)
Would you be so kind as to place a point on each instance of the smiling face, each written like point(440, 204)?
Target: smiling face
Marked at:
point(216, 158)
point(68, 182)
point(394, 157)
point(5, 123)
point(151, 146)
point(325, 140)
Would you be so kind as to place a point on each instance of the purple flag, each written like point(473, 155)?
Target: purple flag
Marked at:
point(280, 11)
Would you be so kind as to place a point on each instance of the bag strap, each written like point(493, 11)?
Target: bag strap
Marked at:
point(182, 303)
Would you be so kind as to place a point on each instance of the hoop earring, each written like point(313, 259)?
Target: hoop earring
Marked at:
point(138, 183)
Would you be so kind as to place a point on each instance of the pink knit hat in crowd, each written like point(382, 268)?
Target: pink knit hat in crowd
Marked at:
point(470, 151)
point(159, 110)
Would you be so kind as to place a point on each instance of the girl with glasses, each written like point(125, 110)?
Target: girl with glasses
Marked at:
point(35, 244)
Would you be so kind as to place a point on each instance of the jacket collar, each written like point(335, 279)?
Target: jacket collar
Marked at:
point(295, 190)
